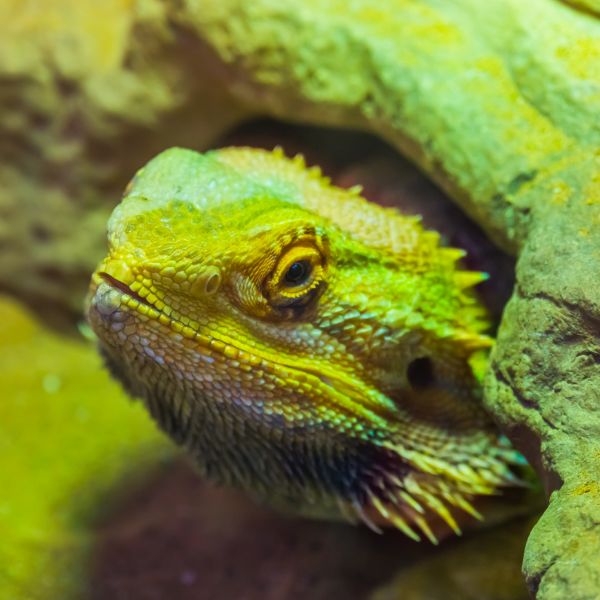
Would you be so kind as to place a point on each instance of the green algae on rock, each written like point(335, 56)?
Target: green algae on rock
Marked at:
point(69, 439)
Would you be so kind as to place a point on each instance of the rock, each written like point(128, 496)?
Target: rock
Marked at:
point(87, 95)
point(482, 567)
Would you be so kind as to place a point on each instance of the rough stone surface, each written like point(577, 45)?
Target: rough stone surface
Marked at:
point(497, 101)
point(88, 93)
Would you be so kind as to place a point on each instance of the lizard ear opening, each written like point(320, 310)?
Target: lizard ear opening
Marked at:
point(420, 373)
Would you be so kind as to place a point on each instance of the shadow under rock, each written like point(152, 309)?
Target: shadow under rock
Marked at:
point(179, 537)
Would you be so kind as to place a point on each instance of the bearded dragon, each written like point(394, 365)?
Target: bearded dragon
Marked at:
point(301, 343)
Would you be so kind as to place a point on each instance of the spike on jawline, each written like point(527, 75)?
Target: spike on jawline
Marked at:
point(438, 507)
point(363, 516)
point(465, 505)
point(377, 504)
point(400, 523)
point(411, 502)
point(470, 509)
point(346, 513)
point(392, 515)
point(401, 495)
point(421, 522)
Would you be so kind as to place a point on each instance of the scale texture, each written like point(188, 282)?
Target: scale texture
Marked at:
point(302, 343)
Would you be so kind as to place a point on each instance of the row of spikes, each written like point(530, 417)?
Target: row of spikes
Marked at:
point(405, 502)
point(406, 505)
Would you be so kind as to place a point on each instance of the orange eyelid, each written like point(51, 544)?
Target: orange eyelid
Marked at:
point(302, 251)
point(295, 254)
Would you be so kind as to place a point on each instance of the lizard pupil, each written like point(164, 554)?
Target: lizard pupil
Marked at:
point(297, 273)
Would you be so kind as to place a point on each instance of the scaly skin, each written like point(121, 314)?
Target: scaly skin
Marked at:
point(347, 383)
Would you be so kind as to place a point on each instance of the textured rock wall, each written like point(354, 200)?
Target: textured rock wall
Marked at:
point(88, 93)
point(498, 101)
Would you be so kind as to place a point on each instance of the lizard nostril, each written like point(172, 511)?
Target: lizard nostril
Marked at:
point(212, 282)
point(206, 283)
point(420, 373)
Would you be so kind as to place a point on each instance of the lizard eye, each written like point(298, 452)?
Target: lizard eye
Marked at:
point(297, 276)
point(298, 273)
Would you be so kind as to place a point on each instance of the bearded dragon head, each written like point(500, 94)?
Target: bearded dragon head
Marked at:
point(301, 343)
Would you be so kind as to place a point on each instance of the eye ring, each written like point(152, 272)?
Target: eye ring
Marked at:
point(298, 273)
point(297, 278)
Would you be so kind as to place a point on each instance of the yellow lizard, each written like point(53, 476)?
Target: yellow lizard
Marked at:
point(301, 343)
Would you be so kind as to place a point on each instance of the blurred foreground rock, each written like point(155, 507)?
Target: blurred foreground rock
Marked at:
point(497, 101)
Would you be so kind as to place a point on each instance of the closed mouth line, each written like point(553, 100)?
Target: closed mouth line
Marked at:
point(171, 319)
point(123, 287)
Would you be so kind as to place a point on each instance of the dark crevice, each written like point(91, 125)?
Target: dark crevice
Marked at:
point(588, 324)
point(519, 396)
point(533, 583)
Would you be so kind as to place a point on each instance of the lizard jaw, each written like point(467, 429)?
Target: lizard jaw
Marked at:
point(349, 395)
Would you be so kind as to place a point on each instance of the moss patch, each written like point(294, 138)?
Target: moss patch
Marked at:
point(70, 445)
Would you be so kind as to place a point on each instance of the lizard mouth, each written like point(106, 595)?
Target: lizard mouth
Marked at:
point(123, 287)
